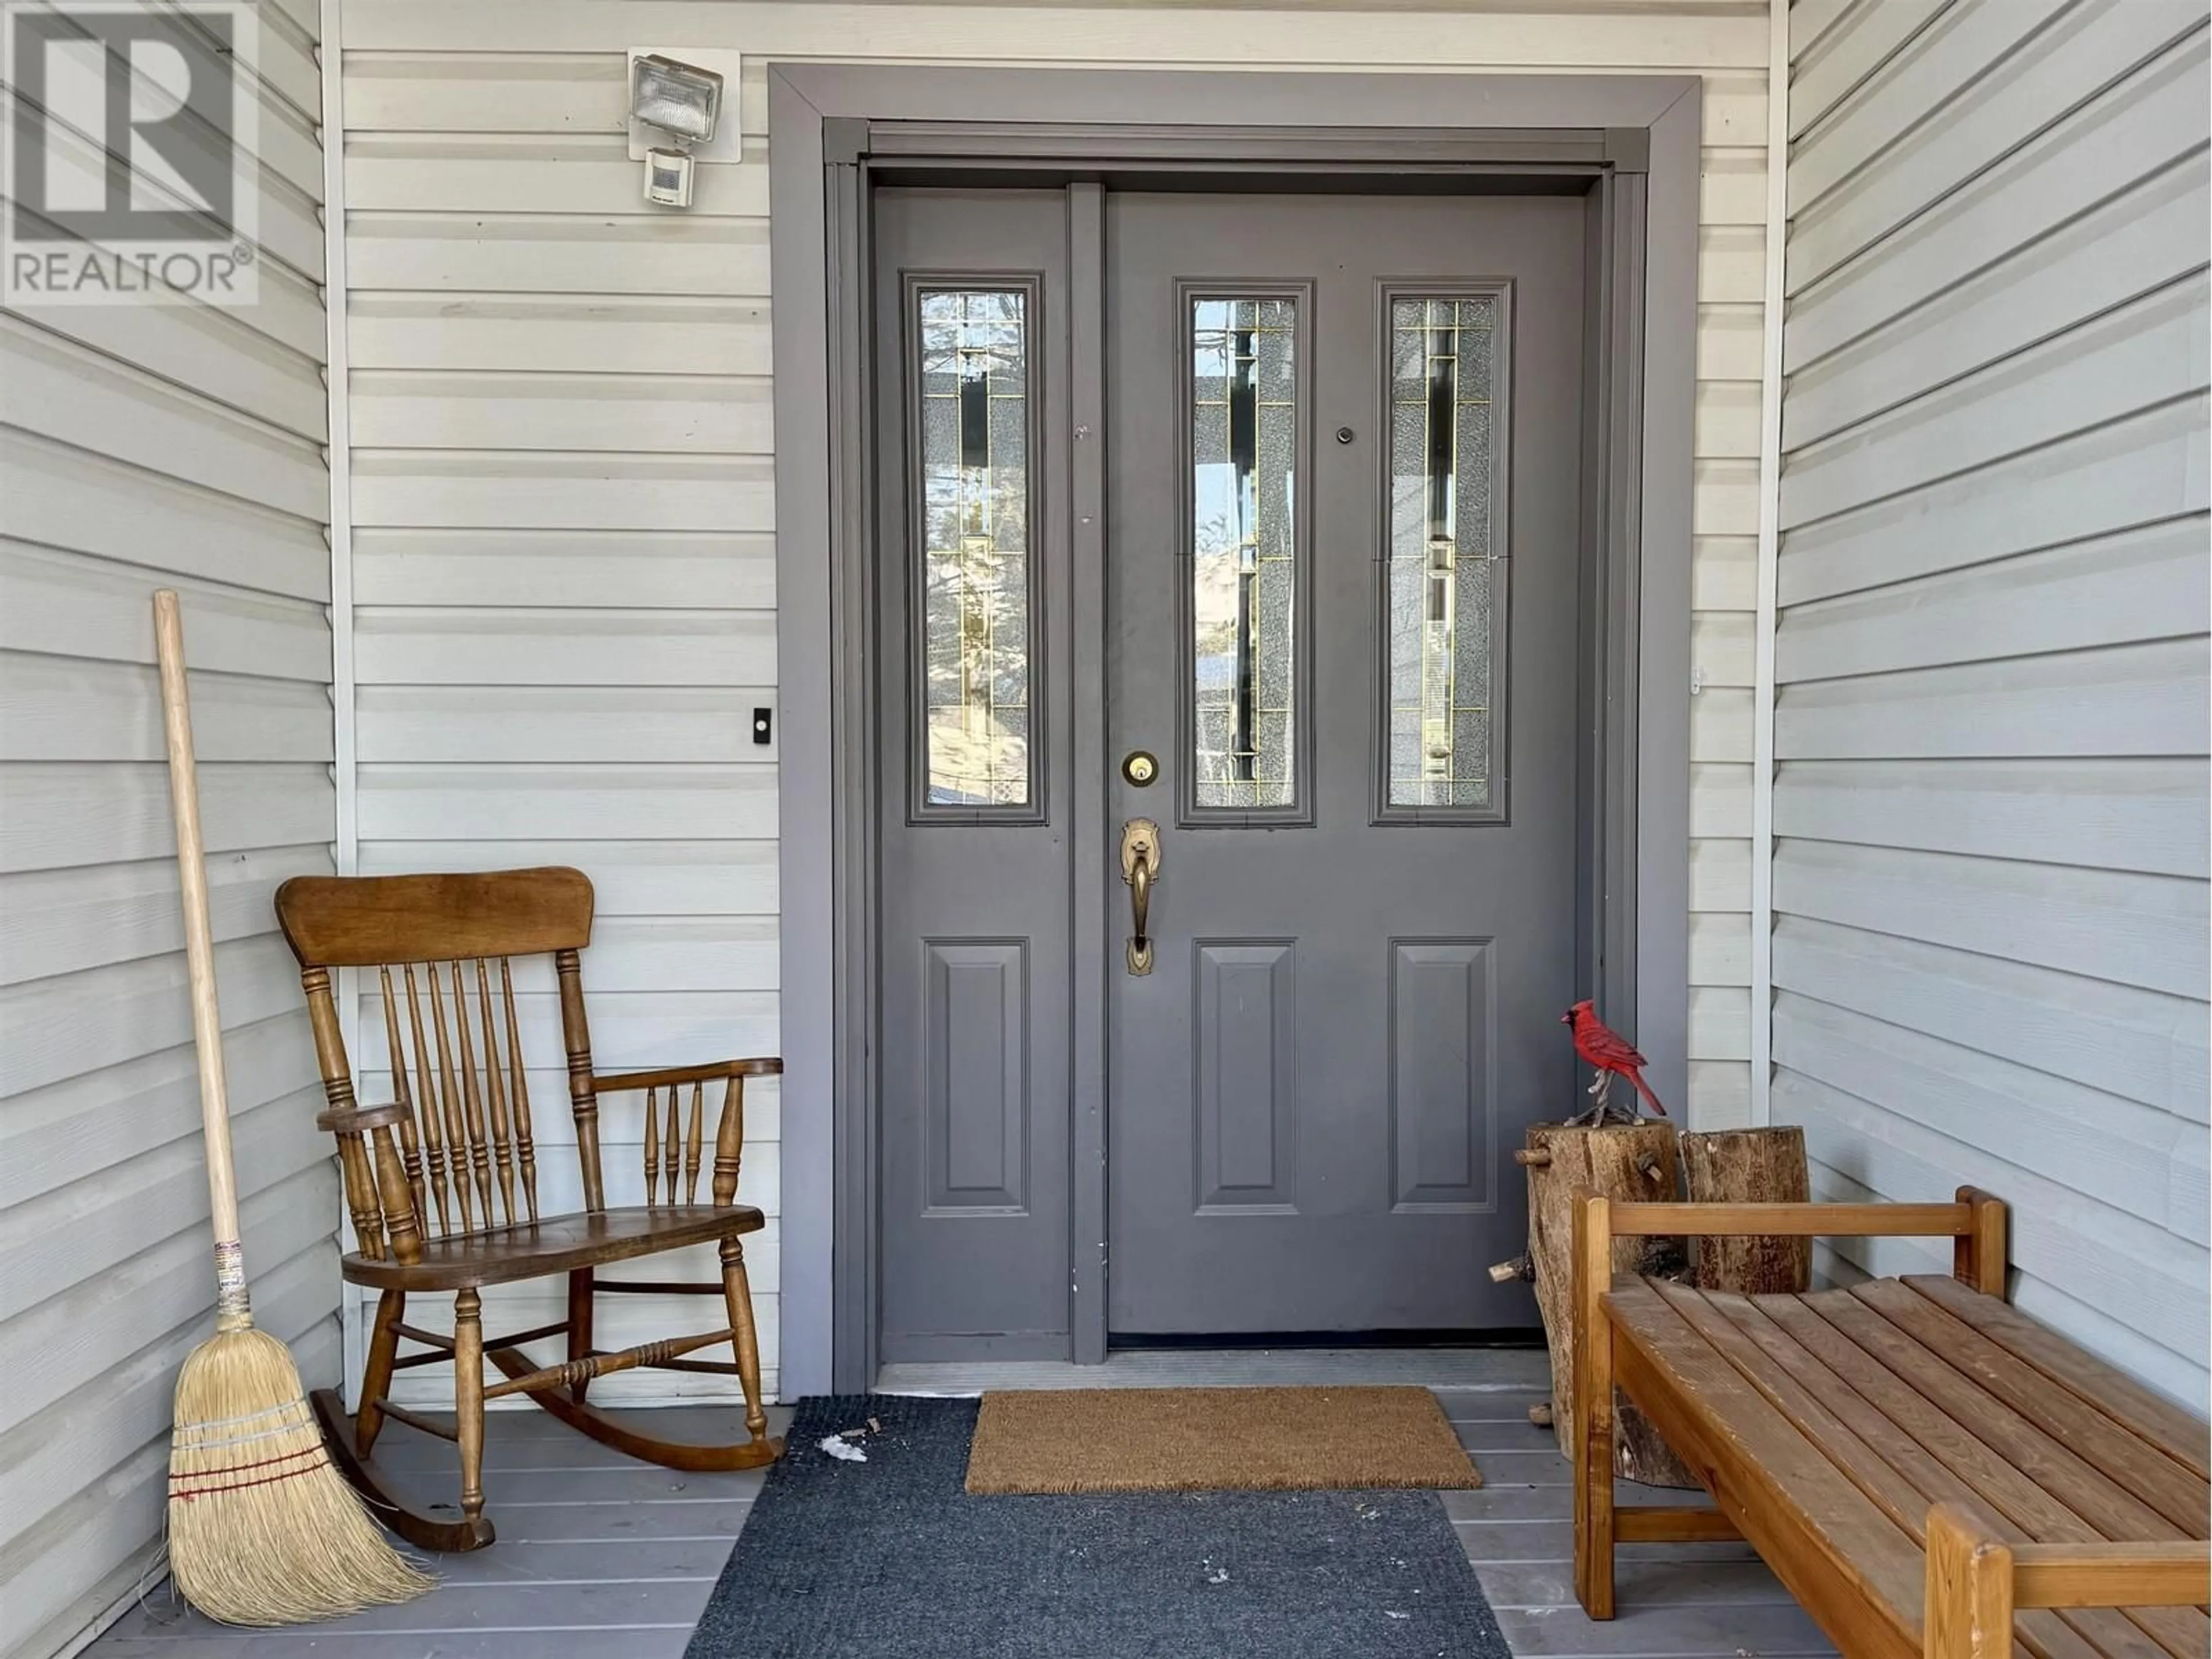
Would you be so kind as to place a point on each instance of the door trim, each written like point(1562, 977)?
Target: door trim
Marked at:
point(832, 127)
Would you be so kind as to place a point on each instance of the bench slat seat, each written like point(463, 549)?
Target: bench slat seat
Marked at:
point(1837, 1429)
point(2152, 1416)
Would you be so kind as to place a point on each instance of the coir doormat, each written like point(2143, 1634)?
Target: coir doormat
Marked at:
point(1077, 1440)
point(893, 1559)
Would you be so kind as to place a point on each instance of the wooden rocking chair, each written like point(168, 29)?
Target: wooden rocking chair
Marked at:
point(455, 1137)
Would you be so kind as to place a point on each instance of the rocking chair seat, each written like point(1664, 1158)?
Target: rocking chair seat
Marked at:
point(554, 1244)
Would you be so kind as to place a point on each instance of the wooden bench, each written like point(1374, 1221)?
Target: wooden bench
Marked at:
point(1933, 1475)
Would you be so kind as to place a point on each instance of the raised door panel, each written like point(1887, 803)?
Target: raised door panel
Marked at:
point(1443, 1075)
point(1247, 1094)
point(975, 1069)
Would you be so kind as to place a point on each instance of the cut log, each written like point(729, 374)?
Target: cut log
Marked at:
point(1634, 1163)
point(1748, 1166)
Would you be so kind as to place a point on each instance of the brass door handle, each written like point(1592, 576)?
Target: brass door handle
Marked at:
point(1141, 867)
point(1140, 906)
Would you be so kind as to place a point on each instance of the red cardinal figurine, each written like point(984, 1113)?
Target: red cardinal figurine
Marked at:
point(1610, 1053)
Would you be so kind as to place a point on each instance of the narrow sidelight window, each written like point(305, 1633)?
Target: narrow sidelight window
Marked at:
point(975, 521)
point(1446, 629)
point(1244, 568)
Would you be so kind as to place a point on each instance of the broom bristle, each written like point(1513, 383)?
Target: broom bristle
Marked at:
point(263, 1529)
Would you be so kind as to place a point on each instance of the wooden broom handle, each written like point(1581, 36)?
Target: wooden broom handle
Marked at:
point(199, 956)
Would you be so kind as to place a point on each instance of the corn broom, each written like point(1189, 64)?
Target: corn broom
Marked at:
point(263, 1529)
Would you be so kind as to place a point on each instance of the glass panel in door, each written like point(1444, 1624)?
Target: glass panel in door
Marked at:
point(1445, 627)
point(1243, 533)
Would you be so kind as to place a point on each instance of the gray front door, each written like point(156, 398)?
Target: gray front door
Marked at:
point(973, 746)
point(1334, 425)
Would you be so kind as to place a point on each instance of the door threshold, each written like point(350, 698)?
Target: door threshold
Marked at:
point(1471, 1370)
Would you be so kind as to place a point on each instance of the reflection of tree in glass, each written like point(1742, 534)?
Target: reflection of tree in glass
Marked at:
point(1213, 606)
point(975, 566)
point(977, 675)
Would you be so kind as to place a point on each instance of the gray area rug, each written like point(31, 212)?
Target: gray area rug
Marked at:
point(893, 1559)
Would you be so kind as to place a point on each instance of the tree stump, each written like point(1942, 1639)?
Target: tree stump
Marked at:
point(1635, 1163)
point(1748, 1166)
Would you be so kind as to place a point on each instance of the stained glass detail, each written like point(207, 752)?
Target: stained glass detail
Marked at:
point(1442, 547)
point(1245, 566)
point(975, 534)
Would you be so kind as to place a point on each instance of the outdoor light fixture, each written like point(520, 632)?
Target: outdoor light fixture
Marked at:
point(682, 102)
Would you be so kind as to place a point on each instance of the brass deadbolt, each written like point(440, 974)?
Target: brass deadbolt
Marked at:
point(1139, 767)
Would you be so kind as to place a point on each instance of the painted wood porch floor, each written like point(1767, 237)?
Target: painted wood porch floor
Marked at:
point(603, 1558)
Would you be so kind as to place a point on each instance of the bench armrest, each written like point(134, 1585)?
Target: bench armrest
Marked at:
point(2168, 1573)
point(1975, 1220)
point(1797, 1220)
point(1976, 1579)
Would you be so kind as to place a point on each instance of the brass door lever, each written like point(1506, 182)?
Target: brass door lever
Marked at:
point(1140, 868)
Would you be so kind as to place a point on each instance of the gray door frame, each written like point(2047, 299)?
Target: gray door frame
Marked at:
point(834, 128)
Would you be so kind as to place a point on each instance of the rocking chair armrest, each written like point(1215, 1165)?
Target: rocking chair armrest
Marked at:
point(359, 1120)
point(677, 1074)
point(377, 1188)
point(661, 1158)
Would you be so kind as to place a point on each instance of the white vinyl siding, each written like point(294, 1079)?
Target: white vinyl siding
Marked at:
point(1989, 811)
point(144, 445)
point(563, 565)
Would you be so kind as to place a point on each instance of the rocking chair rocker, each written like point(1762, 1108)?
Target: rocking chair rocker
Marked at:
point(454, 1137)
